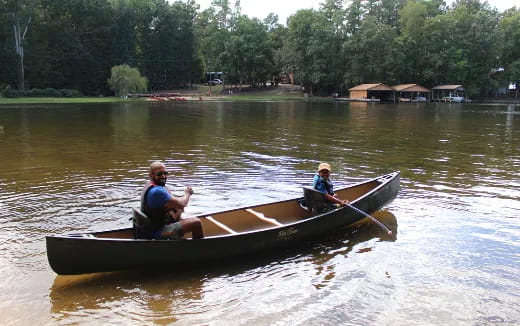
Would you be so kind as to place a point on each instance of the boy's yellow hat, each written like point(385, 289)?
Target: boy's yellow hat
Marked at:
point(324, 166)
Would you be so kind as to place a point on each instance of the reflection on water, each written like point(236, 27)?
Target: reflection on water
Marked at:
point(136, 296)
point(73, 168)
point(509, 121)
point(164, 296)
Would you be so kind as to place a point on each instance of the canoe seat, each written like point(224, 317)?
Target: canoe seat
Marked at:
point(142, 226)
point(315, 202)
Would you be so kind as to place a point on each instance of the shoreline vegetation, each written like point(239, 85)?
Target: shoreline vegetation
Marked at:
point(105, 47)
point(283, 92)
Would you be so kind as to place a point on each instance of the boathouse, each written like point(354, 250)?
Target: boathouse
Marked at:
point(443, 92)
point(379, 91)
point(412, 93)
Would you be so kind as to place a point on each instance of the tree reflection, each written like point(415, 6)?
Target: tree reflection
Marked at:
point(145, 295)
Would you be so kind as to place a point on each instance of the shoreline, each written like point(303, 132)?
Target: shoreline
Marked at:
point(226, 98)
point(215, 93)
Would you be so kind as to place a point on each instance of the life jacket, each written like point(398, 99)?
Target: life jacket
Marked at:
point(159, 217)
point(326, 184)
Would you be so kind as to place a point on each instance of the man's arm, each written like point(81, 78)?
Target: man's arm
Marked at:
point(179, 202)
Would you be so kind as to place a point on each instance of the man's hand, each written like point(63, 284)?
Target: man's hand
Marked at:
point(188, 191)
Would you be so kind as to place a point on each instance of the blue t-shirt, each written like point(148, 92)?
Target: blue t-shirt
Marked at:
point(322, 184)
point(157, 196)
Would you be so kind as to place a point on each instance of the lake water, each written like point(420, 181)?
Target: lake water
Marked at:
point(455, 259)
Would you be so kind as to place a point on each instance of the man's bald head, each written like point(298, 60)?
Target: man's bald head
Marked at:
point(156, 165)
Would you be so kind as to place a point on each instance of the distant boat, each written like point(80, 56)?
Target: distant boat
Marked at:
point(231, 233)
point(348, 99)
point(454, 99)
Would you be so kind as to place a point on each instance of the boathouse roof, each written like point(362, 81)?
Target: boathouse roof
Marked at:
point(371, 87)
point(449, 87)
point(410, 88)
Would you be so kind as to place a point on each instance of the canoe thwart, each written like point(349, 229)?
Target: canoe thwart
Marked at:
point(263, 217)
point(221, 225)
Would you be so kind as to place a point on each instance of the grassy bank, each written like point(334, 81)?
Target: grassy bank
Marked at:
point(266, 97)
point(58, 100)
point(216, 93)
point(80, 100)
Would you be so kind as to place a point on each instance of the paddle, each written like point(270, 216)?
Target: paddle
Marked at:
point(372, 218)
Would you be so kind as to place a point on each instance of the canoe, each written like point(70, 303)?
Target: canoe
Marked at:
point(228, 234)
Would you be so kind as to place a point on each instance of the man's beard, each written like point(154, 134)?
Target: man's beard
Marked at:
point(161, 182)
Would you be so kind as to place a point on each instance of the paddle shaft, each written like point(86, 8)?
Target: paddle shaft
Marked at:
point(372, 218)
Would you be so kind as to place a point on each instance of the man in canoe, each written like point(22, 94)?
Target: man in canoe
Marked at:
point(322, 183)
point(164, 210)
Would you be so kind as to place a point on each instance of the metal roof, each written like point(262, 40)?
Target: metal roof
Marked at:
point(450, 87)
point(410, 88)
point(371, 87)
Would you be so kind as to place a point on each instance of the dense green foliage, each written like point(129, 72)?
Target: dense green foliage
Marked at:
point(73, 44)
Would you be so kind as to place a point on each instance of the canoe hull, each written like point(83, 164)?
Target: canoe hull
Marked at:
point(87, 253)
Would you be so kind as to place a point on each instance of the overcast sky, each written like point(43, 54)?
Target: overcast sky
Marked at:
point(285, 8)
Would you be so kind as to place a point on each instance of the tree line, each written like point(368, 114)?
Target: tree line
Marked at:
point(74, 44)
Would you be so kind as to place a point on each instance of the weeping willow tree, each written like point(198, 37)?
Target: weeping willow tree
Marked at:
point(125, 80)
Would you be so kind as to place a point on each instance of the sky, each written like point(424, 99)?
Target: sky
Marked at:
point(284, 8)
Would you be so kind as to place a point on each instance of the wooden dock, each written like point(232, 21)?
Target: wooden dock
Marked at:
point(348, 99)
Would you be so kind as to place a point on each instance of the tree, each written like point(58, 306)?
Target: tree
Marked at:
point(125, 80)
point(473, 46)
point(247, 55)
point(374, 53)
point(298, 44)
point(277, 36)
point(414, 39)
point(20, 13)
point(211, 39)
point(166, 46)
point(224, 15)
point(354, 17)
point(385, 12)
point(509, 32)
point(70, 45)
point(513, 72)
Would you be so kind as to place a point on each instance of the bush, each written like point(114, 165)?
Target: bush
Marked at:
point(51, 92)
point(125, 80)
point(38, 92)
point(35, 92)
point(70, 93)
point(12, 93)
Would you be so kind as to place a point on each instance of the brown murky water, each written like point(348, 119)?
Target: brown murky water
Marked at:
point(456, 259)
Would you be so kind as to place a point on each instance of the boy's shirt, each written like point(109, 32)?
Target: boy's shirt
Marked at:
point(323, 185)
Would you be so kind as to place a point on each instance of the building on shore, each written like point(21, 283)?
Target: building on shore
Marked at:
point(405, 93)
point(412, 93)
point(449, 93)
point(380, 92)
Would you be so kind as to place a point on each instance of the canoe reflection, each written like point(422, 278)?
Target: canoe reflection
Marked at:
point(165, 296)
point(156, 293)
point(342, 244)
